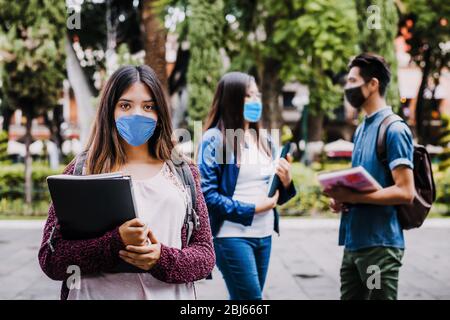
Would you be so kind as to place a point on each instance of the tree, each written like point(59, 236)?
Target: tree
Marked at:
point(377, 25)
point(205, 35)
point(3, 145)
point(249, 42)
point(318, 42)
point(430, 30)
point(32, 49)
point(154, 39)
point(307, 41)
point(105, 27)
point(444, 141)
point(5, 109)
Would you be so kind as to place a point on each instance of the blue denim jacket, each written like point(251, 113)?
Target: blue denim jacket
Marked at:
point(219, 182)
point(369, 225)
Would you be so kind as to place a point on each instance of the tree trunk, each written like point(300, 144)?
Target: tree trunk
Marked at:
point(82, 91)
point(7, 115)
point(28, 162)
point(154, 41)
point(315, 126)
point(271, 86)
point(111, 42)
point(53, 126)
point(420, 98)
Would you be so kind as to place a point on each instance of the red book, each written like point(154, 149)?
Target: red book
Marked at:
point(356, 178)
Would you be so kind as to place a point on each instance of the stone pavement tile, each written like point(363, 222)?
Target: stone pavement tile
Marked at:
point(20, 279)
point(418, 245)
point(406, 292)
point(304, 264)
point(280, 283)
point(213, 289)
point(425, 264)
point(22, 224)
point(19, 270)
point(319, 288)
point(325, 254)
point(427, 249)
point(19, 257)
point(316, 263)
point(42, 289)
point(13, 240)
point(422, 282)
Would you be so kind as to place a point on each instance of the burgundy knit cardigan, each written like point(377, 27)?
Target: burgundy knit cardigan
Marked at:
point(193, 262)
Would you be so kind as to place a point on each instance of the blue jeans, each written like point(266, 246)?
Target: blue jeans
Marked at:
point(243, 263)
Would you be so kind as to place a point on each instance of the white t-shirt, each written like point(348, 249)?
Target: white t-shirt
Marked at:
point(161, 202)
point(256, 168)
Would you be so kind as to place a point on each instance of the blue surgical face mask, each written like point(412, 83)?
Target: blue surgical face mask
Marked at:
point(136, 129)
point(252, 111)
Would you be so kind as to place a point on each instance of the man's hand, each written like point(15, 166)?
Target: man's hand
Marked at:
point(340, 194)
point(143, 256)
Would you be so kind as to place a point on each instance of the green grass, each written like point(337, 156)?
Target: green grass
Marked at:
point(439, 210)
point(309, 202)
point(17, 207)
point(20, 217)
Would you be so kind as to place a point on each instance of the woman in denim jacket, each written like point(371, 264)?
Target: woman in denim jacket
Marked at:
point(235, 182)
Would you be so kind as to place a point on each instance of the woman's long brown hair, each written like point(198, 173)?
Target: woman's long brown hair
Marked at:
point(105, 147)
point(227, 110)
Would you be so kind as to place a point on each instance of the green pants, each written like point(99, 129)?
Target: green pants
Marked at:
point(370, 274)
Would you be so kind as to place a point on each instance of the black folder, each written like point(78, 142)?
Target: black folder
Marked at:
point(89, 206)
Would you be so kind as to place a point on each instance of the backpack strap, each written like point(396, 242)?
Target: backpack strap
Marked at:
point(381, 136)
point(189, 181)
point(182, 170)
point(79, 163)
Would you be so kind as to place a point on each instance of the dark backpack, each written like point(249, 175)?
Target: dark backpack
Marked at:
point(180, 167)
point(411, 215)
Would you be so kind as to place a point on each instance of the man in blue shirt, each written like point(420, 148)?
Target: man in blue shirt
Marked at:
point(370, 230)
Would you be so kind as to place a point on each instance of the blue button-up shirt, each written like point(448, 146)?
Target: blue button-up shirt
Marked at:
point(368, 225)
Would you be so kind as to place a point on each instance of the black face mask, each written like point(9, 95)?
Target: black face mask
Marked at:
point(355, 97)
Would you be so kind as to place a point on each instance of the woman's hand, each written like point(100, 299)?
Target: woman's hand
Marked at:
point(267, 203)
point(144, 256)
point(134, 232)
point(283, 170)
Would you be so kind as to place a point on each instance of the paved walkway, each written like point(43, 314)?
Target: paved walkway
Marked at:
point(304, 264)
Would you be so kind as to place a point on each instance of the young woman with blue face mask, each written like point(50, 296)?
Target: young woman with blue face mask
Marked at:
point(235, 177)
point(132, 133)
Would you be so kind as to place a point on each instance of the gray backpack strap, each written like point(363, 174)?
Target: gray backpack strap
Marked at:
point(79, 163)
point(182, 170)
point(189, 181)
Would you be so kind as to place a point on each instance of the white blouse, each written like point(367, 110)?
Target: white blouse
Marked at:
point(161, 203)
point(252, 185)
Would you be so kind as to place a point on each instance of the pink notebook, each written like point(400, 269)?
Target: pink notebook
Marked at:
point(356, 178)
